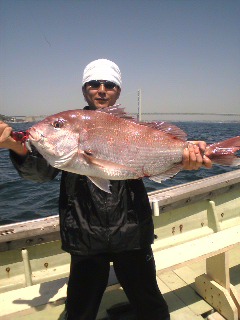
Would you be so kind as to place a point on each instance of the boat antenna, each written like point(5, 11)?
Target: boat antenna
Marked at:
point(139, 117)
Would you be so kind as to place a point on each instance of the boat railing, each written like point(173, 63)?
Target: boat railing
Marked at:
point(193, 221)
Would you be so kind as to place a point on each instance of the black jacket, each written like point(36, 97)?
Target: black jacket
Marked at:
point(91, 220)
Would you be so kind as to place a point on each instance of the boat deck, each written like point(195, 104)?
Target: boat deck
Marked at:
point(177, 287)
point(196, 248)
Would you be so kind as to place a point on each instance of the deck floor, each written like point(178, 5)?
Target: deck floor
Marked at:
point(177, 287)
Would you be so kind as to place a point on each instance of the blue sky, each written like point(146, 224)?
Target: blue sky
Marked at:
point(183, 54)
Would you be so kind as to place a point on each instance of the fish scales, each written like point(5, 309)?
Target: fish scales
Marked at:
point(141, 151)
point(132, 143)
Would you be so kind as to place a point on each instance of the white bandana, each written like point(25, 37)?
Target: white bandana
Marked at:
point(102, 69)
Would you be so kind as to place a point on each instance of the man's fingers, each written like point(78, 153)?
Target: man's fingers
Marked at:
point(5, 134)
point(207, 162)
point(195, 157)
point(192, 158)
point(185, 159)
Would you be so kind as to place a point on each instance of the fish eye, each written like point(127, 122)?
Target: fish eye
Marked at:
point(58, 123)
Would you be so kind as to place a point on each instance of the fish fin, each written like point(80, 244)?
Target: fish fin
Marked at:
point(158, 125)
point(111, 168)
point(223, 152)
point(167, 128)
point(117, 112)
point(102, 184)
point(167, 174)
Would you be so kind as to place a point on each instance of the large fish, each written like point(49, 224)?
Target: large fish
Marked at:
point(108, 145)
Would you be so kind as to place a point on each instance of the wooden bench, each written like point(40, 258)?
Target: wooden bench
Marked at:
point(211, 207)
point(214, 286)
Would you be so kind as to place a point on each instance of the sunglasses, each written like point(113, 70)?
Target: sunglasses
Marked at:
point(95, 84)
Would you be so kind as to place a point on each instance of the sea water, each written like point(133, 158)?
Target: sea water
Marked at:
point(25, 200)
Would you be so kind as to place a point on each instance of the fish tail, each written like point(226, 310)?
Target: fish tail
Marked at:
point(223, 152)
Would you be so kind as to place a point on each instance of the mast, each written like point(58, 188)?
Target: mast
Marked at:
point(139, 116)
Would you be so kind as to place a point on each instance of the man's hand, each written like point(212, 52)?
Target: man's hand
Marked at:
point(193, 156)
point(5, 132)
point(7, 142)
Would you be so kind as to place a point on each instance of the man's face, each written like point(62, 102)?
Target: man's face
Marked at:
point(100, 96)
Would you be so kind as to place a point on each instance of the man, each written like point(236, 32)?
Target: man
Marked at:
point(97, 227)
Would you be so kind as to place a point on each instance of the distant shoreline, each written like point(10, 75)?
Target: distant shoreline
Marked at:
point(192, 117)
point(157, 116)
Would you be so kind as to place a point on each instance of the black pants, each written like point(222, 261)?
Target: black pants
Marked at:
point(136, 273)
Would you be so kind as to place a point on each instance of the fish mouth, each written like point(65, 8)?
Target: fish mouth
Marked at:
point(35, 135)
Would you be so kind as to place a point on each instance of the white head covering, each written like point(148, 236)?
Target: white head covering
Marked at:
point(102, 69)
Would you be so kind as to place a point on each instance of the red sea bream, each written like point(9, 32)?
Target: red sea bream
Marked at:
point(107, 145)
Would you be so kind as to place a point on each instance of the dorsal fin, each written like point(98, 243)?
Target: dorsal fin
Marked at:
point(117, 112)
point(158, 125)
point(167, 128)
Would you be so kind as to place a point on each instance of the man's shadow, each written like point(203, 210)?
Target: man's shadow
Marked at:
point(45, 294)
